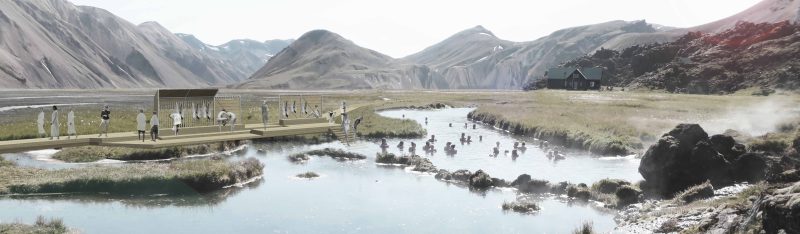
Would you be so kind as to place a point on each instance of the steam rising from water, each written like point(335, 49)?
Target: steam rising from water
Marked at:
point(756, 119)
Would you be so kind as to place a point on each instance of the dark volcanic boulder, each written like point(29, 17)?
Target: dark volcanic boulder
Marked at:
point(521, 179)
point(461, 175)
point(497, 182)
point(682, 158)
point(750, 167)
point(535, 186)
point(443, 175)
point(725, 145)
point(781, 210)
point(480, 180)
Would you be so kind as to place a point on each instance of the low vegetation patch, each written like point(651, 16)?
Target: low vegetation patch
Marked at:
point(697, 192)
point(299, 158)
point(609, 186)
point(308, 175)
point(420, 164)
point(5, 163)
point(180, 177)
point(376, 126)
point(585, 228)
point(95, 153)
point(337, 154)
point(42, 225)
point(521, 207)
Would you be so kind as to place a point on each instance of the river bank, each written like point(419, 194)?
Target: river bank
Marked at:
point(180, 177)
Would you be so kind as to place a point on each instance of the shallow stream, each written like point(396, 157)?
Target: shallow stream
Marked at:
point(349, 197)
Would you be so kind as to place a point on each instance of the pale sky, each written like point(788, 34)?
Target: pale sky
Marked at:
point(402, 27)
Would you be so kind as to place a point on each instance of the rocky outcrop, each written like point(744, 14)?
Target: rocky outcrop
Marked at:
point(781, 210)
point(480, 180)
point(418, 163)
point(685, 156)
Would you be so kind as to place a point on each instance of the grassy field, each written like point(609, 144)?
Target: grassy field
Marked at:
point(181, 177)
point(42, 225)
point(601, 122)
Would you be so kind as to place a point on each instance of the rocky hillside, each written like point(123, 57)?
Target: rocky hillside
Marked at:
point(766, 11)
point(321, 59)
point(471, 59)
point(512, 66)
point(246, 55)
point(55, 44)
point(748, 55)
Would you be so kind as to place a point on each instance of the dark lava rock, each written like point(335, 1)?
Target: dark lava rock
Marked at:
point(521, 179)
point(535, 186)
point(781, 210)
point(697, 192)
point(560, 188)
point(750, 167)
point(682, 158)
point(480, 180)
point(627, 195)
point(785, 177)
point(726, 146)
point(443, 175)
point(461, 175)
point(497, 182)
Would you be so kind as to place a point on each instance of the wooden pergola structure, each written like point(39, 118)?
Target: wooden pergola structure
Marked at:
point(199, 107)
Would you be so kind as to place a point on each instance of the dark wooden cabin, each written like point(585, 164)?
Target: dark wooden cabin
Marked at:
point(571, 78)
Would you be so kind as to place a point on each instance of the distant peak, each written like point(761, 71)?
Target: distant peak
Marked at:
point(477, 30)
point(319, 35)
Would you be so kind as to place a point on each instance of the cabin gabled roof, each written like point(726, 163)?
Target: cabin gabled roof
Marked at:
point(560, 73)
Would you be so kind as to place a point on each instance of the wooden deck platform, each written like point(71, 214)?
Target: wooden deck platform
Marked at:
point(188, 136)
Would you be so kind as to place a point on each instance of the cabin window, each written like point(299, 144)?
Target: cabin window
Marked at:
point(591, 84)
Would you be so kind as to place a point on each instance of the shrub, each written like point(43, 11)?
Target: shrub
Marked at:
point(608, 186)
point(585, 228)
point(521, 207)
point(308, 175)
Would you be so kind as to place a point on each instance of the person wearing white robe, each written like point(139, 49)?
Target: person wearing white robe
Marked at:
point(71, 131)
point(40, 124)
point(54, 131)
point(177, 120)
point(232, 120)
point(141, 124)
point(264, 114)
point(222, 119)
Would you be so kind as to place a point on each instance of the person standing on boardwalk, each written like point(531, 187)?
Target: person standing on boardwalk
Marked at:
point(264, 114)
point(177, 120)
point(232, 119)
point(105, 119)
point(71, 131)
point(154, 126)
point(141, 124)
point(54, 131)
point(40, 124)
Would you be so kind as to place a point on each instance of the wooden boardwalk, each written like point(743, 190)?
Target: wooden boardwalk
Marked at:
point(189, 136)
